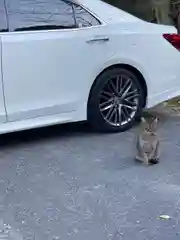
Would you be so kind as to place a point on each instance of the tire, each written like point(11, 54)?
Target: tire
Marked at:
point(101, 102)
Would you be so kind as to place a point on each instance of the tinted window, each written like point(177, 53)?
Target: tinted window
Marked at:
point(3, 22)
point(39, 14)
point(84, 18)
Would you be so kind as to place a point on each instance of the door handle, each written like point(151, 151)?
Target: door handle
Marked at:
point(98, 39)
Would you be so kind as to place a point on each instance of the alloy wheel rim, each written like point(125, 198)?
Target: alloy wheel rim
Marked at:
point(119, 100)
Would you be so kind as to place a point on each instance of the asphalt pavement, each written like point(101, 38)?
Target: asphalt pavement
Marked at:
point(68, 182)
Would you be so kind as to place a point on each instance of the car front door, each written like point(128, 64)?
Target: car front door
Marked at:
point(3, 28)
point(47, 60)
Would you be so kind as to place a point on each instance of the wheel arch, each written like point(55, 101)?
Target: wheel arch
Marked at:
point(128, 67)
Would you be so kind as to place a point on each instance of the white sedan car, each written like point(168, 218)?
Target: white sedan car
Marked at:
point(74, 60)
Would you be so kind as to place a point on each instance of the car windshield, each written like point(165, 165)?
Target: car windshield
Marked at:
point(3, 20)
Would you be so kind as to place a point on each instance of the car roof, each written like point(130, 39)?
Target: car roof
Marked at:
point(107, 12)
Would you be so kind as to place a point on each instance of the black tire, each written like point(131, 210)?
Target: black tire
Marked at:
point(94, 115)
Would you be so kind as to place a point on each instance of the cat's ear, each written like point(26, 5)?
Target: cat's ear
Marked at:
point(155, 120)
point(144, 123)
point(143, 120)
point(155, 123)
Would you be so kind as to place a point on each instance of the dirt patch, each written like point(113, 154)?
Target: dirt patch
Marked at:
point(165, 110)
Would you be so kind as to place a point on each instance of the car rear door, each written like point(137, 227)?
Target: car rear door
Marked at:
point(49, 70)
point(3, 29)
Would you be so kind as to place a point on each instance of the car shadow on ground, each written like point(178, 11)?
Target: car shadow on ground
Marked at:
point(68, 130)
point(46, 133)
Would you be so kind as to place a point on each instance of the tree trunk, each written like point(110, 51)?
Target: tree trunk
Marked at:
point(162, 10)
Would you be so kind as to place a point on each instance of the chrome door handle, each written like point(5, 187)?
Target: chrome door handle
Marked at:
point(98, 39)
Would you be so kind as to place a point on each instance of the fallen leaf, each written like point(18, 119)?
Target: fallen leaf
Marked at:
point(164, 217)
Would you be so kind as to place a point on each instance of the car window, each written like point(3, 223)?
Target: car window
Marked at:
point(3, 19)
point(84, 18)
point(39, 15)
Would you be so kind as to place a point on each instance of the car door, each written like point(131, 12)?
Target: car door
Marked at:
point(47, 60)
point(3, 28)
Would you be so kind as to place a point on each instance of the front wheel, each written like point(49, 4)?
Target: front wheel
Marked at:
point(116, 101)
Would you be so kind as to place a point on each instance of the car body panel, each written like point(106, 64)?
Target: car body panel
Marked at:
point(107, 12)
point(47, 75)
point(2, 103)
point(51, 74)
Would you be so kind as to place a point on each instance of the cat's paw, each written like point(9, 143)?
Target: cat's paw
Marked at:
point(139, 159)
point(153, 161)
